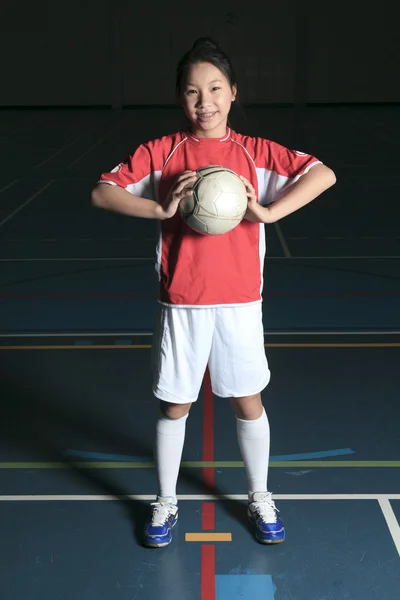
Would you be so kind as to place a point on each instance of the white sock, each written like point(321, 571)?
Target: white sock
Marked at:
point(254, 441)
point(170, 437)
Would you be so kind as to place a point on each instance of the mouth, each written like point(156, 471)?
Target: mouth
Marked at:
point(206, 116)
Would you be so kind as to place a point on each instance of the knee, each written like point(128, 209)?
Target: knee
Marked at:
point(174, 411)
point(248, 408)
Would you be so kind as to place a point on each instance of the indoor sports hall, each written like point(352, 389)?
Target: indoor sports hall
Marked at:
point(78, 299)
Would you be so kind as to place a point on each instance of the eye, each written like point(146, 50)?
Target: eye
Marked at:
point(215, 88)
point(190, 92)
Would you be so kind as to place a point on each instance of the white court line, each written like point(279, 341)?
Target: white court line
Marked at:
point(378, 134)
point(383, 499)
point(6, 187)
point(201, 497)
point(45, 335)
point(379, 124)
point(330, 257)
point(100, 141)
point(46, 160)
point(391, 521)
point(152, 258)
point(17, 210)
point(88, 132)
point(91, 259)
point(150, 333)
point(282, 240)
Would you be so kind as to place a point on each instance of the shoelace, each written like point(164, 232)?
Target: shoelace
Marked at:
point(161, 513)
point(265, 508)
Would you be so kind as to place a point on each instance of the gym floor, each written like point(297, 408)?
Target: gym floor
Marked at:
point(78, 298)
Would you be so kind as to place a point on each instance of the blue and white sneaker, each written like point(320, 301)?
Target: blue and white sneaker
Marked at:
point(158, 530)
point(263, 514)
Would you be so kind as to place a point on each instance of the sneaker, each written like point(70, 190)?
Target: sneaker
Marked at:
point(157, 532)
point(263, 514)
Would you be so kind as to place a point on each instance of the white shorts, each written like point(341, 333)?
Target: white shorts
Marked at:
point(229, 339)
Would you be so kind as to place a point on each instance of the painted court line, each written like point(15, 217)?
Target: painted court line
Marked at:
point(6, 187)
point(208, 537)
point(186, 497)
point(107, 334)
point(141, 464)
point(17, 210)
point(148, 346)
point(391, 521)
point(208, 516)
point(104, 456)
point(311, 455)
point(76, 259)
point(76, 334)
point(208, 556)
point(208, 474)
point(207, 573)
point(100, 141)
point(71, 143)
point(282, 240)
point(208, 456)
point(247, 585)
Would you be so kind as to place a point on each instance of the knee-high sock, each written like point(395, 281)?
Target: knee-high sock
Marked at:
point(254, 443)
point(170, 437)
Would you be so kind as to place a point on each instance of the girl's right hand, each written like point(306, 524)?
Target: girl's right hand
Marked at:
point(176, 193)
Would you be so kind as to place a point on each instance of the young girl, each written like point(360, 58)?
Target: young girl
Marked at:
point(210, 286)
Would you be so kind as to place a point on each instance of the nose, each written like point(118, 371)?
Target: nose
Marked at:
point(203, 100)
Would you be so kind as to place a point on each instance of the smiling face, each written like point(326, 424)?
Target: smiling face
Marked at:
point(206, 99)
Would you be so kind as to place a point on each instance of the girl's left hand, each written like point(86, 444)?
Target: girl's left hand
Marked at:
point(254, 211)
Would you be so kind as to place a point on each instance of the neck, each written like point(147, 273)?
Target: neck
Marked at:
point(214, 134)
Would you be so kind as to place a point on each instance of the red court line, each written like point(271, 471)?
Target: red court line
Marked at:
point(208, 508)
point(208, 516)
point(208, 430)
point(207, 572)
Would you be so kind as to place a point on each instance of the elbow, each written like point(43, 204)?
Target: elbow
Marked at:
point(331, 177)
point(96, 198)
point(325, 175)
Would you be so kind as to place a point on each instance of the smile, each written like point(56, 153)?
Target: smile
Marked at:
point(206, 115)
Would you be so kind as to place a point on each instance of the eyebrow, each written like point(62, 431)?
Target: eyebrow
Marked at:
point(213, 81)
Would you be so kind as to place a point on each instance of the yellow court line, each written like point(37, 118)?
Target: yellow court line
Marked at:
point(147, 346)
point(336, 345)
point(78, 347)
point(208, 537)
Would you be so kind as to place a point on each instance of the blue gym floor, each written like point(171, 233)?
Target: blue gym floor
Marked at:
point(77, 304)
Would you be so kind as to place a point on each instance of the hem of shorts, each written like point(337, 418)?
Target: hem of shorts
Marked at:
point(168, 397)
point(169, 304)
point(243, 395)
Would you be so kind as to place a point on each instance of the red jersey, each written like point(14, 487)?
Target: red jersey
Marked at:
point(200, 270)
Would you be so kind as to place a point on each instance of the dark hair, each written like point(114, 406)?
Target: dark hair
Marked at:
point(204, 50)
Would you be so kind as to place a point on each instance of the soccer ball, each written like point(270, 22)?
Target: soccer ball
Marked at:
point(218, 203)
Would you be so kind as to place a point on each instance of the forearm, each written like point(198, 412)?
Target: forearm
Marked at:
point(309, 187)
point(116, 199)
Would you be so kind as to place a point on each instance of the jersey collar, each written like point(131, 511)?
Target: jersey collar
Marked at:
point(194, 138)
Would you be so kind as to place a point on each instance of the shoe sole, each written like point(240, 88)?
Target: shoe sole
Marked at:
point(270, 542)
point(157, 545)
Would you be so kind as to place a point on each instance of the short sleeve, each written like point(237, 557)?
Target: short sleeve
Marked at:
point(279, 168)
point(134, 174)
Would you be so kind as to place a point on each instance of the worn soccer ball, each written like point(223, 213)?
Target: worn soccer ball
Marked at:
point(218, 203)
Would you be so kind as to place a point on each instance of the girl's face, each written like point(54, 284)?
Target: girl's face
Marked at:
point(206, 98)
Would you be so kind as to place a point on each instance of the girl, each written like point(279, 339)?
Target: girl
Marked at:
point(210, 286)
